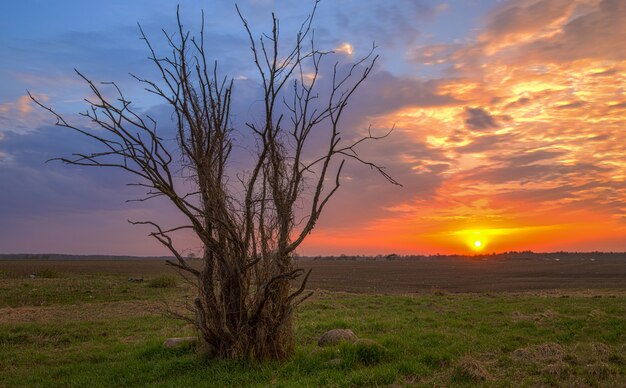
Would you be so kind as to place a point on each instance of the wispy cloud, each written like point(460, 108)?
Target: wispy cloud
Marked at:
point(20, 115)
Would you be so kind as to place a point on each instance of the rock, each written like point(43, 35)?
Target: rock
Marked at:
point(178, 341)
point(335, 336)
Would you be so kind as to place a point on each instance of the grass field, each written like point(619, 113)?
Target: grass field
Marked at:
point(87, 328)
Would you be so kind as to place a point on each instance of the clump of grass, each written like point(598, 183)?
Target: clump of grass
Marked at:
point(538, 317)
point(559, 369)
point(5, 274)
point(163, 281)
point(48, 273)
point(589, 353)
point(347, 355)
point(544, 353)
point(369, 352)
point(472, 370)
point(600, 370)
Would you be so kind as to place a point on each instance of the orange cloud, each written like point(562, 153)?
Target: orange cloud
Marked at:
point(25, 105)
point(532, 135)
point(21, 115)
point(345, 48)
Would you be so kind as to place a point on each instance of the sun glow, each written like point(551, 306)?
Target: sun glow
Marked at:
point(477, 240)
point(477, 243)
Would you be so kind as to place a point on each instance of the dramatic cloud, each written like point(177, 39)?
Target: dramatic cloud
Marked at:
point(508, 120)
point(478, 118)
point(594, 32)
point(542, 91)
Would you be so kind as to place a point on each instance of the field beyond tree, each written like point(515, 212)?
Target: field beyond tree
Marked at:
point(523, 322)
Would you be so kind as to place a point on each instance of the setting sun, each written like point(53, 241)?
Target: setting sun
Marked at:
point(477, 242)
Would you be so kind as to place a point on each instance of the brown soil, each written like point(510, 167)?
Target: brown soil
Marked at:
point(397, 276)
point(123, 267)
point(465, 275)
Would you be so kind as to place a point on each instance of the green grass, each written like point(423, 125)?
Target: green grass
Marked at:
point(443, 340)
point(163, 281)
point(64, 289)
point(48, 273)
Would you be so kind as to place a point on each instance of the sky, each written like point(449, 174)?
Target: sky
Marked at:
point(509, 121)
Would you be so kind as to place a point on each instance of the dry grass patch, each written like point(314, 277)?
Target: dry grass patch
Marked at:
point(578, 364)
point(471, 369)
point(546, 353)
point(600, 370)
point(594, 352)
point(537, 318)
point(595, 313)
point(558, 369)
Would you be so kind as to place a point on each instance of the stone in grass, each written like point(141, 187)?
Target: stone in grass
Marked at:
point(335, 336)
point(179, 341)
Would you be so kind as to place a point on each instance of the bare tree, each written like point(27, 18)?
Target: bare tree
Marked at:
point(246, 285)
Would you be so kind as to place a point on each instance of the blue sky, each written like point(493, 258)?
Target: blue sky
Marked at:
point(466, 82)
point(47, 39)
